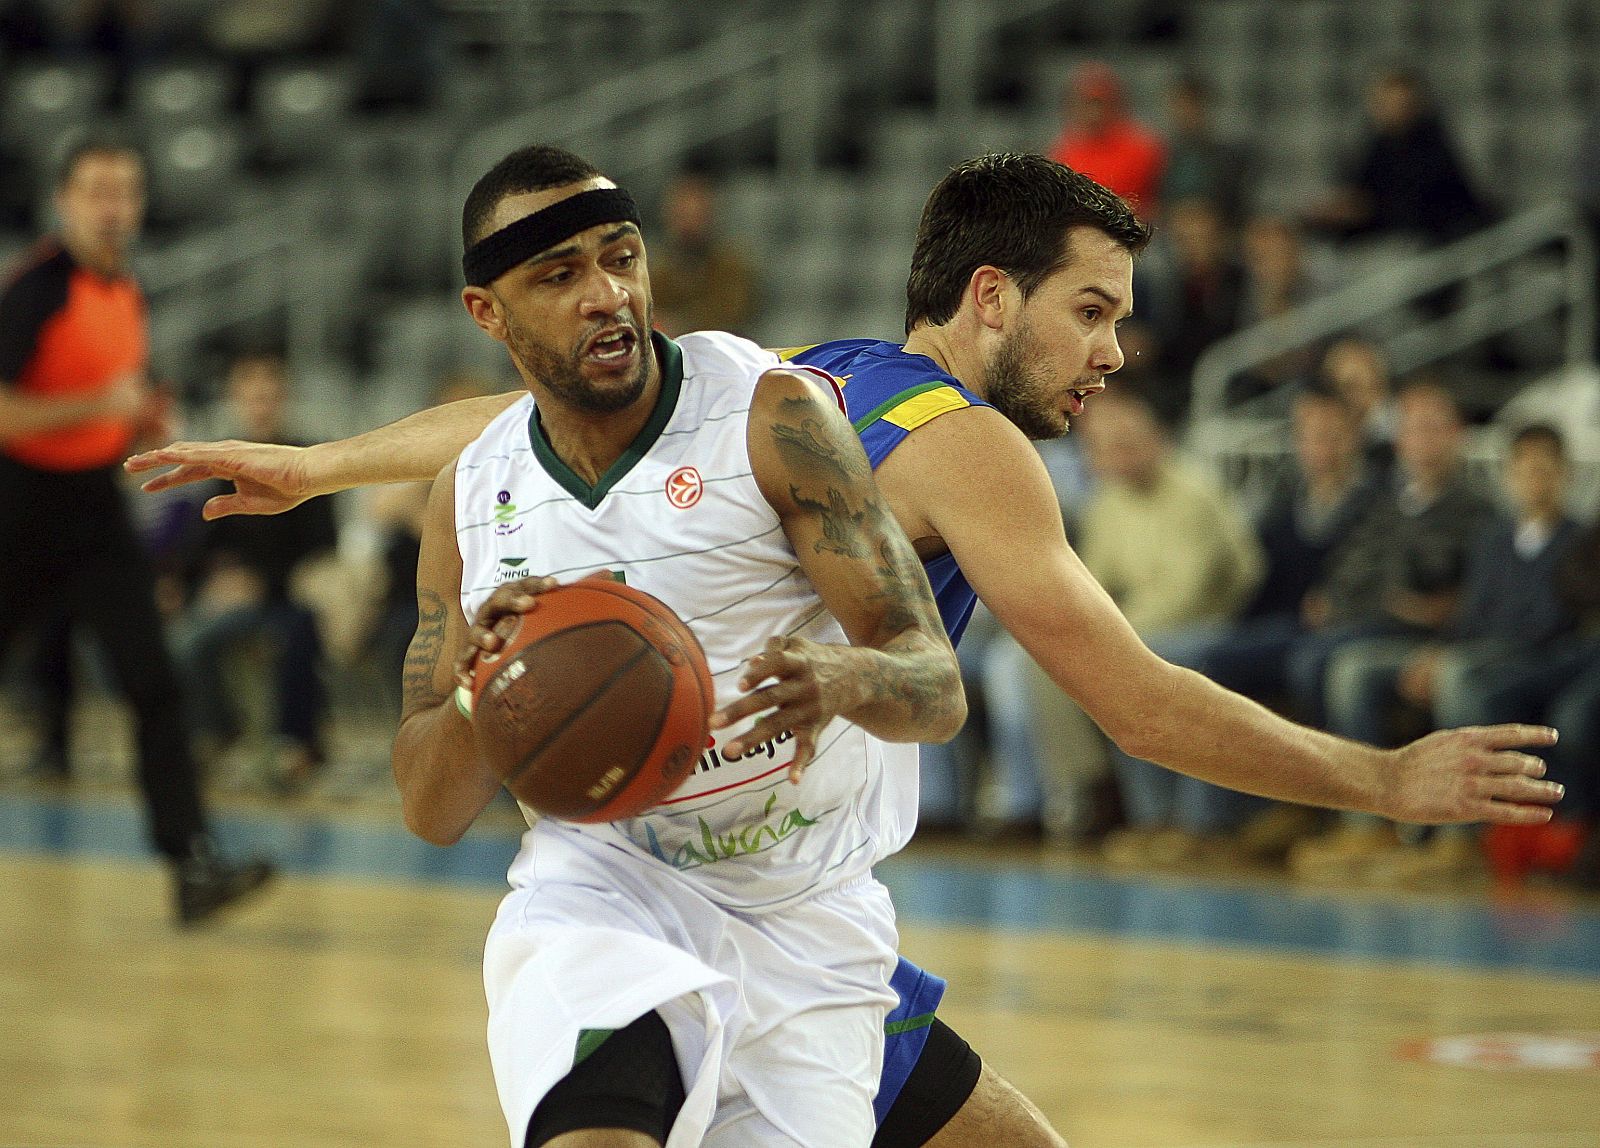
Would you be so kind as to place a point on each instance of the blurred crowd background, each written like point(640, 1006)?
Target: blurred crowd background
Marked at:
point(1349, 468)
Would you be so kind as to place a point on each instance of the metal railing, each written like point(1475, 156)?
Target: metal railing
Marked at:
point(1506, 302)
point(264, 266)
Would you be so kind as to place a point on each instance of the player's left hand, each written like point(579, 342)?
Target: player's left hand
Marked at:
point(805, 686)
point(488, 634)
point(267, 478)
point(1472, 774)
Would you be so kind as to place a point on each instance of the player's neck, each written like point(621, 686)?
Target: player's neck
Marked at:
point(935, 343)
point(108, 260)
point(589, 443)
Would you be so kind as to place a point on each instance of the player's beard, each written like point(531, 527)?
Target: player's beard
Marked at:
point(1014, 388)
point(562, 373)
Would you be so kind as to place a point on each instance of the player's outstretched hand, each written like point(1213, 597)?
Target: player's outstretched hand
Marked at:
point(507, 601)
point(806, 686)
point(1476, 773)
point(267, 478)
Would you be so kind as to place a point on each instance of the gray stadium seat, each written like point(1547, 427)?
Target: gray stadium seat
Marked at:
point(1542, 21)
point(42, 104)
point(299, 110)
point(163, 100)
point(1308, 28)
point(1391, 27)
point(750, 206)
point(194, 172)
point(1229, 26)
point(1469, 71)
point(1476, 128)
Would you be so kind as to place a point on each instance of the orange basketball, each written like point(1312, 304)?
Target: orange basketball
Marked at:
point(598, 705)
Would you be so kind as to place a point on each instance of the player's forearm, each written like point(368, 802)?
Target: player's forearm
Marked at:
point(413, 449)
point(908, 690)
point(1197, 727)
point(27, 414)
point(442, 786)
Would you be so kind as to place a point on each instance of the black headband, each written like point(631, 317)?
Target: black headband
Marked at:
point(500, 251)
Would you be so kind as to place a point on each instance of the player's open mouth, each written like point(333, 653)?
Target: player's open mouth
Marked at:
point(613, 348)
point(1076, 399)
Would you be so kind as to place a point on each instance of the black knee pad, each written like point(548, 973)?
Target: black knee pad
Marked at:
point(944, 1076)
point(631, 1080)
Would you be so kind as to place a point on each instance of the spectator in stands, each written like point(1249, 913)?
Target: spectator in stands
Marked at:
point(242, 571)
point(1178, 558)
point(1559, 681)
point(1276, 280)
point(1357, 370)
point(1400, 575)
point(1199, 165)
point(1407, 179)
point(1509, 613)
point(1196, 290)
point(703, 282)
point(1308, 514)
point(1104, 142)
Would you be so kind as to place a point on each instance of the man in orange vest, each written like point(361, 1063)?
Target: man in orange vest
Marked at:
point(74, 350)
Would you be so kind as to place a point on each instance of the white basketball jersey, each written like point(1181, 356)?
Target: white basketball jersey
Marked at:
point(680, 516)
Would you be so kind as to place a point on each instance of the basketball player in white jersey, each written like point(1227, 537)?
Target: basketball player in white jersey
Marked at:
point(716, 970)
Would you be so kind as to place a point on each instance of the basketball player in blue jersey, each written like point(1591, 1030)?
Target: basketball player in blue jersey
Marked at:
point(1022, 271)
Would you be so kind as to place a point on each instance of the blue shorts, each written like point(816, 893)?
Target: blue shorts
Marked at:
point(905, 1030)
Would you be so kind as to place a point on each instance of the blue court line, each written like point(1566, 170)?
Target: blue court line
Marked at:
point(1519, 934)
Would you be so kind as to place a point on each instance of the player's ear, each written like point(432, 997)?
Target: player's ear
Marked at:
point(485, 311)
point(987, 288)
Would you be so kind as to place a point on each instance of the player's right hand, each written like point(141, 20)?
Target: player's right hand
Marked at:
point(267, 478)
point(485, 637)
point(1472, 774)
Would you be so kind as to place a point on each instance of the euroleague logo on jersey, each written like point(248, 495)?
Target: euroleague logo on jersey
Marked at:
point(684, 487)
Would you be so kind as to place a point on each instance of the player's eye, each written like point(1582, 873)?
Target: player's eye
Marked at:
point(627, 259)
point(1091, 313)
point(558, 276)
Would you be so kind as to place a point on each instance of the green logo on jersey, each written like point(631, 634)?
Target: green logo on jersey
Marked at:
point(713, 846)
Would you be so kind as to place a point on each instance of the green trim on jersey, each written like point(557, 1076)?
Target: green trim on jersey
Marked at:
point(589, 1039)
point(895, 400)
point(671, 357)
point(894, 1027)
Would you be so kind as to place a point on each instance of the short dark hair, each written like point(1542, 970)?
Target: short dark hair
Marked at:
point(96, 143)
point(527, 169)
point(1010, 211)
point(1540, 435)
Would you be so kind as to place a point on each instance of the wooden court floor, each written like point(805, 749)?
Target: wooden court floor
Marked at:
point(346, 1010)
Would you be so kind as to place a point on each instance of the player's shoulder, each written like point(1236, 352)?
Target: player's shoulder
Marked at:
point(39, 277)
point(719, 354)
point(506, 433)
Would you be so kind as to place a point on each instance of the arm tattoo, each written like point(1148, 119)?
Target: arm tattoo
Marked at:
point(422, 658)
point(841, 528)
point(810, 443)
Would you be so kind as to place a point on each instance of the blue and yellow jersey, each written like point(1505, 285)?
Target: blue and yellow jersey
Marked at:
point(888, 394)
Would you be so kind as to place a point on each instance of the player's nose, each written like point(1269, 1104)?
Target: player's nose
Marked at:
point(1106, 355)
point(604, 294)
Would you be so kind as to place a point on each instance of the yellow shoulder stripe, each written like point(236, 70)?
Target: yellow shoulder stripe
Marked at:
point(787, 353)
point(926, 406)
